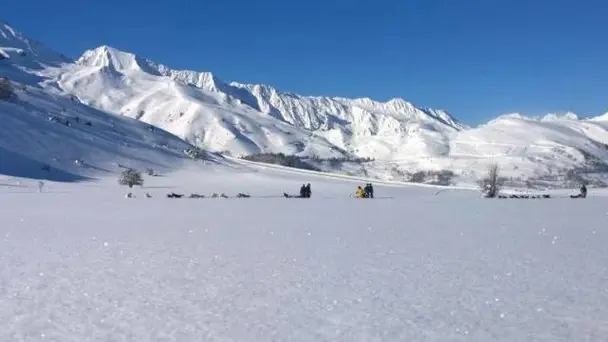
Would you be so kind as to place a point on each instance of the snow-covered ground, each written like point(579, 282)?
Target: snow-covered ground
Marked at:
point(80, 262)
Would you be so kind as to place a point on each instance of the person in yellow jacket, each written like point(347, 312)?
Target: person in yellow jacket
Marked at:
point(360, 192)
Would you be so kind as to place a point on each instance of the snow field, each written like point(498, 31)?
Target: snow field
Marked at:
point(82, 263)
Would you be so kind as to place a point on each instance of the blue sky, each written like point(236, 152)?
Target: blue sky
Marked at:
point(475, 58)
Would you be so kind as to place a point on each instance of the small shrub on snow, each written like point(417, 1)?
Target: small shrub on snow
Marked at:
point(130, 178)
point(6, 89)
point(418, 177)
point(194, 153)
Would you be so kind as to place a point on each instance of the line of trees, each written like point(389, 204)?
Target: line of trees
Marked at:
point(281, 159)
point(306, 163)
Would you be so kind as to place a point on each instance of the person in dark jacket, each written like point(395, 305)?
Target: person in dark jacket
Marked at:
point(308, 191)
point(582, 194)
point(303, 191)
point(583, 191)
point(369, 190)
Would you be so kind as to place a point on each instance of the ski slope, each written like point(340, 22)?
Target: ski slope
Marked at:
point(408, 266)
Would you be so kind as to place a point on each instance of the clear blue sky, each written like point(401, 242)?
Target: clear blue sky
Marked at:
point(475, 58)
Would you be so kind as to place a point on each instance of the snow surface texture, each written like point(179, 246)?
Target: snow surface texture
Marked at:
point(241, 119)
point(266, 268)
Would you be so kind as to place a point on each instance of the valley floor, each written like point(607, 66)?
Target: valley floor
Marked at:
point(80, 262)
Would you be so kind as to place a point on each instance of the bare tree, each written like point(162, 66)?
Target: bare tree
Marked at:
point(490, 186)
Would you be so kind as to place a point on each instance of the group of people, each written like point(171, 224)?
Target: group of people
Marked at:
point(362, 192)
point(365, 192)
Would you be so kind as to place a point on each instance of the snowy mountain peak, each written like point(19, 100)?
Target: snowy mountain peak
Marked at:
point(125, 62)
point(545, 118)
point(203, 80)
point(603, 117)
point(318, 112)
point(25, 51)
point(401, 104)
point(6, 30)
point(111, 58)
point(262, 89)
point(560, 116)
point(7, 33)
point(99, 56)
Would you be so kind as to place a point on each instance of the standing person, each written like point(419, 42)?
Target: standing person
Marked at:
point(303, 191)
point(308, 191)
point(369, 190)
point(583, 191)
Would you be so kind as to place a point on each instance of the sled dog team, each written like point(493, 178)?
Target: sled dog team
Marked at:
point(305, 192)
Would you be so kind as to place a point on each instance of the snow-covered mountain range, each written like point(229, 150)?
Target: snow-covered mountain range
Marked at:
point(242, 119)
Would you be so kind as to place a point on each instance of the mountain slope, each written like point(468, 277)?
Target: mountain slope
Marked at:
point(26, 52)
point(48, 134)
point(529, 148)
